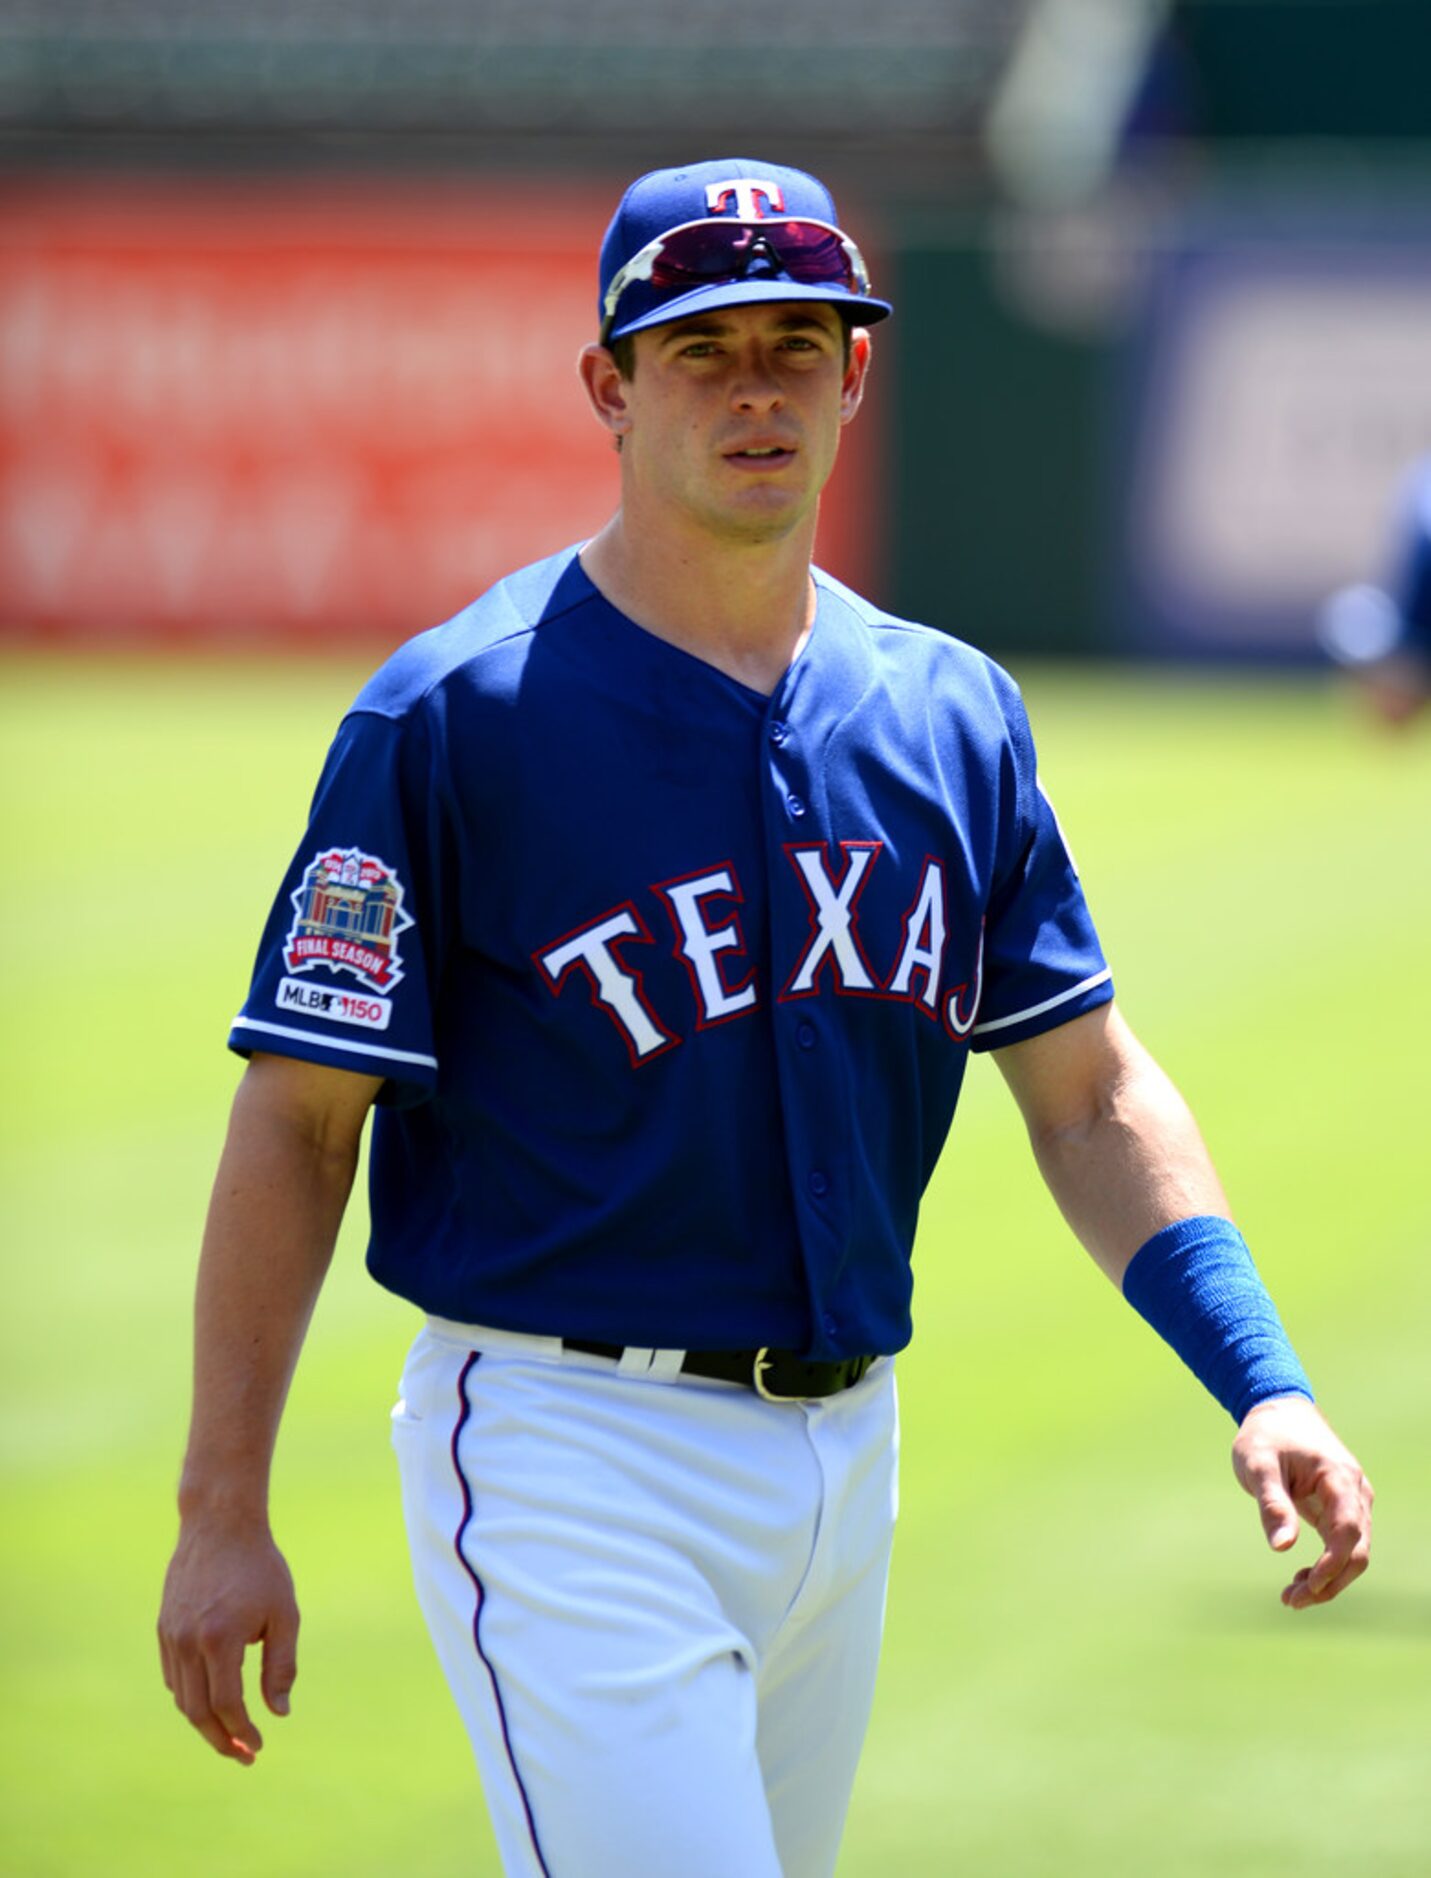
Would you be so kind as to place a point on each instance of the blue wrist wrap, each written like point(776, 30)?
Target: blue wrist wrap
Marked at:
point(1196, 1285)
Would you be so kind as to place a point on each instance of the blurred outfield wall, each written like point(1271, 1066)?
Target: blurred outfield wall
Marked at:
point(1167, 421)
point(296, 410)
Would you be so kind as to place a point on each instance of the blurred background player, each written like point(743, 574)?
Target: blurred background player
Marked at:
point(1382, 633)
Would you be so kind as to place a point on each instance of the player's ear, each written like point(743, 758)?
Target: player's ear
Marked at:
point(606, 390)
point(853, 388)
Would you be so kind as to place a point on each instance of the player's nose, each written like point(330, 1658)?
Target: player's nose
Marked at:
point(754, 386)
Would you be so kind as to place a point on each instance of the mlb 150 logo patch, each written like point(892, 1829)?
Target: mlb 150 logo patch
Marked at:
point(339, 1007)
point(348, 915)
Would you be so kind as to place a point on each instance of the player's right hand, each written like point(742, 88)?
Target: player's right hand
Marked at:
point(224, 1591)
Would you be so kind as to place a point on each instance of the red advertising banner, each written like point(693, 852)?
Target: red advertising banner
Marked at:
point(300, 411)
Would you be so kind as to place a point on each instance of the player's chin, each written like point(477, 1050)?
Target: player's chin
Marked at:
point(788, 487)
point(763, 521)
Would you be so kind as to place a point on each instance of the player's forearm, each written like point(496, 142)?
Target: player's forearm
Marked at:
point(277, 1203)
point(1131, 1164)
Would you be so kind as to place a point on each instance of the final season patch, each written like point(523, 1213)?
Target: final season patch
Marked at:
point(348, 916)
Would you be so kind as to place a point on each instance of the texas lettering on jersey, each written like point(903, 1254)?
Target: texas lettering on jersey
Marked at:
point(704, 911)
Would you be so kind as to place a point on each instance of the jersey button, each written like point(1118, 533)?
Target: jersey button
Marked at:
point(805, 1034)
point(831, 1323)
point(819, 1182)
point(796, 806)
point(779, 733)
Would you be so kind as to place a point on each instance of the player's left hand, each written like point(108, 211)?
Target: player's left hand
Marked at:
point(1293, 1465)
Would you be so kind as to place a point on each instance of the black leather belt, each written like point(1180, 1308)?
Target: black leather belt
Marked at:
point(778, 1375)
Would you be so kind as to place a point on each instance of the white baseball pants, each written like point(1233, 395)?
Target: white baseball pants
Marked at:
point(658, 1603)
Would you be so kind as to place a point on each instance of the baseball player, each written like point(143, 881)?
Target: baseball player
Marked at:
point(654, 905)
point(1383, 634)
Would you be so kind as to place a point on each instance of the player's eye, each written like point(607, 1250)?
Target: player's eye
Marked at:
point(806, 346)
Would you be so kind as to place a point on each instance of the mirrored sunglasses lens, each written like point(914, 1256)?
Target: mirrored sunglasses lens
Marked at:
point(800, 249)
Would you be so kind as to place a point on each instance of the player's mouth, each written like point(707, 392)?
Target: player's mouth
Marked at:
point(761, 456)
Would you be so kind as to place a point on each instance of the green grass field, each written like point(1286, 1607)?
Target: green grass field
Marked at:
point(1087, 1668)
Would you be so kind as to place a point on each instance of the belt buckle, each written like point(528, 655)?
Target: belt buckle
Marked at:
point(762, 1363)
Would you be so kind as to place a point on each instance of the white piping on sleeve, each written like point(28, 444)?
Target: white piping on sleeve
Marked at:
point(335, 1043)
point(1049, 1004)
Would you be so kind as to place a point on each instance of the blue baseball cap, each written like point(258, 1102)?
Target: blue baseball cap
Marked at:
point(761, 200)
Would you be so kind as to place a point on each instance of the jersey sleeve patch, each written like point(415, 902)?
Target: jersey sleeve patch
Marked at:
point(347, 917)
point(346, 958)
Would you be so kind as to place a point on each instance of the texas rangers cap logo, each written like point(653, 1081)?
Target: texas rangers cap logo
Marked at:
point(747, 194)
point(348, 914)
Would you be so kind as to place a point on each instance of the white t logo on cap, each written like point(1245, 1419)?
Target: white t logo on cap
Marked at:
point(747, 193)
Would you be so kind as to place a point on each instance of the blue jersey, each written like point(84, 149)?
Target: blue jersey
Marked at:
point(673, 984)
point(1410, 582)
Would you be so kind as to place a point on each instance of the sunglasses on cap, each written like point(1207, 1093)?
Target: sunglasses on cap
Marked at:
point(710, 253)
